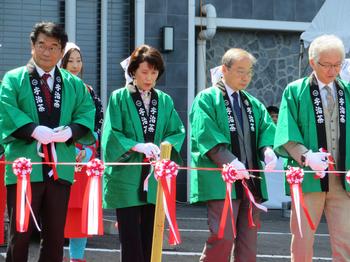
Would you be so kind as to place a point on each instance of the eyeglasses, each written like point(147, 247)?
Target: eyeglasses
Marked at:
point(51, 49)
point(242, 73)
point(330, 66)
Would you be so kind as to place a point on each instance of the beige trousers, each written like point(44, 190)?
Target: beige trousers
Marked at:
point(336, 206)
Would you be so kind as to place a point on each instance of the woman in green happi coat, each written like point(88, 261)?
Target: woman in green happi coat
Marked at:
point(138, 118)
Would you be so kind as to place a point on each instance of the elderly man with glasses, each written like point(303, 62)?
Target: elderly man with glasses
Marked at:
point(231, 126)
point(313, 132)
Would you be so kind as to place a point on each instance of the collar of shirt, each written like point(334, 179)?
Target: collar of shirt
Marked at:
point(230, 92)
point(321, 86)
point(51, 73)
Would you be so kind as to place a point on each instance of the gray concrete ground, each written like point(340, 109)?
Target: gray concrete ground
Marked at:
point(273, 239)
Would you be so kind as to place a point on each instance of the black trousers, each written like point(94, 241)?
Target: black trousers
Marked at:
point(49, 204)
point(135, 225)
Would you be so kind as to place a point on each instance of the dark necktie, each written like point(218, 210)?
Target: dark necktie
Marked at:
point(237, 109)
point(46, 91)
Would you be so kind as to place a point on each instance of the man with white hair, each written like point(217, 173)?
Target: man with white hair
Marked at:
point(313, 132)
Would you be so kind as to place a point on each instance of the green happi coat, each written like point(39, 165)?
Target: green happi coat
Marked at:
point(17, 108)
point(296, 122)
point(209, 126)
point(122, 131)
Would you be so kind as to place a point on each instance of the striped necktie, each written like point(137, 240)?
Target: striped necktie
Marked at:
point(330, 100)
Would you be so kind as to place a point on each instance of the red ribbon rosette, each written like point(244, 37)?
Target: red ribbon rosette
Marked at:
point(22, 168)
point(92, 223)
point(165, 171)
point(295, 176)
point(229, 175)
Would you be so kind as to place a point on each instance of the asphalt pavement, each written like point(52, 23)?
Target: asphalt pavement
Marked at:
point(273, 239)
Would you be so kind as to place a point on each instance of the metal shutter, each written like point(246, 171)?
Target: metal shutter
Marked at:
point(120, 35)
point(17, 18)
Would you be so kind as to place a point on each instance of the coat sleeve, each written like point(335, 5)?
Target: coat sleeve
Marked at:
point(287, 124)
point(266, 128)
point(205, 130)
point(84, 112)
point(12, 117)
point(114, 142)
point(175, 130)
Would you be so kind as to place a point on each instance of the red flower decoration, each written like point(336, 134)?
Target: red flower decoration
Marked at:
point(22, 167)
point(294, 175)
point(95, 167)
point(165, 168)
point(229, 174)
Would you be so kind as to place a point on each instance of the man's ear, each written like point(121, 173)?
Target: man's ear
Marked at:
point(312, 63)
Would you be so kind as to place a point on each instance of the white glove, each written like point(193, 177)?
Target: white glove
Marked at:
point(242, 172)
point(43, 134)
point(62, 134)
point(270, 159)
point(149, 149)
point(317, 161)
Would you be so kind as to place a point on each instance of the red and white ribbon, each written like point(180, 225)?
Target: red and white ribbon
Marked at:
point(165, 171)
point(229, 175)
point(22, 168)
point(46, 156)
point(92, 223)
point(295, 176)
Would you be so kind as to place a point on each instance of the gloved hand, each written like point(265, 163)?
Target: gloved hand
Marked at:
point(270, 159)
point(317, 161)
point(150, 150)
point(242, 172)
point(61, 134)
point(43, 134)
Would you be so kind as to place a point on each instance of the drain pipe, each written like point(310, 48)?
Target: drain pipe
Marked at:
point(204, 35)
point(103, 54)
point(70, 19)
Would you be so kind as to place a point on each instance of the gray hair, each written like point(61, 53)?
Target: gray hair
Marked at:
point(234, 54)
point(325, 43)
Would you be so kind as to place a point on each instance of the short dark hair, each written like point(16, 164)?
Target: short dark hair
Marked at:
point(66, 56)
point(49, 29)
point(146, 53)
point(273, 109)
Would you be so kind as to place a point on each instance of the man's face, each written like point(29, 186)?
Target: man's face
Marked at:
point(274, 117)
point(46, 52)
point(328, 65)
point(239, 75)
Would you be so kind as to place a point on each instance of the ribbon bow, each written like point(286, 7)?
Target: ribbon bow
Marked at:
point(230, 175)
point(295, 176)
point(22, 168)
point(92, 223)
point(165, 171)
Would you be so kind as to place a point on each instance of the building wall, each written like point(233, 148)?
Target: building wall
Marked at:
point(277, 59)
point(161, 13)
point(285, 10)
point(277, 53)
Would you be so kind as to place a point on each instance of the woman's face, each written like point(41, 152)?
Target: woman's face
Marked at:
point(146, 76)
point(75, 63)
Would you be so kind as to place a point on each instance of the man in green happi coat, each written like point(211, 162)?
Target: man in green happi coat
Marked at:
point(230, 126)
point(44, 111)
point(313, 133)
